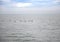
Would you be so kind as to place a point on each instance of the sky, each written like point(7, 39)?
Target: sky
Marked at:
point(29, 6)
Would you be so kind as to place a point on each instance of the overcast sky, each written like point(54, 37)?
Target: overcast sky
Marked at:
point(29, 6)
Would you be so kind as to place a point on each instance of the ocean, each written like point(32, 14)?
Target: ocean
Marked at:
point(29, 28)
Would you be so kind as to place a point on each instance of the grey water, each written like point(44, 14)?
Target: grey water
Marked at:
point(29, 28)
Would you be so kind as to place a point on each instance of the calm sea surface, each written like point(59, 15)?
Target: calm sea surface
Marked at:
point(29, 28)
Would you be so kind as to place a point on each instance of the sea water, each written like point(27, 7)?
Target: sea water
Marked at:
point(29, 28)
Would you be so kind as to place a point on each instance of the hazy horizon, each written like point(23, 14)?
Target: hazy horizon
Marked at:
point(29, 6)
